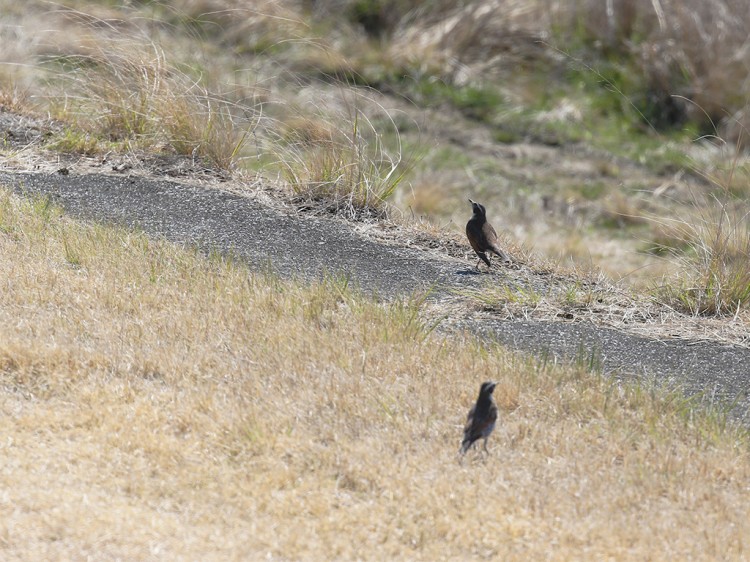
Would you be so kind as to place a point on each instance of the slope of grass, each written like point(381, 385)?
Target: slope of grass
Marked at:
point(561, 119)
point(161, 404)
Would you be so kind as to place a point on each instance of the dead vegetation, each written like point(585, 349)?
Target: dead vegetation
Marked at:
point(421, 101)
point(162, 404)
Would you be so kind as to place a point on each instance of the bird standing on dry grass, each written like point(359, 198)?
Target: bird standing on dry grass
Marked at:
point(481, 419)
point(482, 235)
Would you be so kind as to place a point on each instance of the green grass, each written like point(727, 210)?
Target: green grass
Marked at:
point(476, 102)
point(78, 142)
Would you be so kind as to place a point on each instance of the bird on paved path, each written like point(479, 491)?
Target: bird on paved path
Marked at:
point(481, 419)
point(482, 235)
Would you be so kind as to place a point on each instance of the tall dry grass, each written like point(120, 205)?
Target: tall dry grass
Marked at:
point(693, 49)
point(160, 404)
point(710, 243)
point(131, 95)
point(662, 50)
point(160, 80)
point(345, 167)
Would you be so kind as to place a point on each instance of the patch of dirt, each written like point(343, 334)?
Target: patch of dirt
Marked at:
point(24, 131)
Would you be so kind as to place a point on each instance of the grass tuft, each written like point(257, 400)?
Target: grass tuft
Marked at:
point(76, 141)
point(349, 171)
point(13, 97)
point(132, 97)
point(711, 246)
point(713, 253)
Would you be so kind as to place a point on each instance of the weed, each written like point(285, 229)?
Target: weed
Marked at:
point(126, 94)
point(75, 141)
point(350, 171)
point(712, 248)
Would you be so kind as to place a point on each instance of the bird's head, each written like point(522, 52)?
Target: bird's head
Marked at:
point(478, 208)
point(487, 388)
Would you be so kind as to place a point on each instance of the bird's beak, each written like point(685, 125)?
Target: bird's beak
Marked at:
point(470, 201)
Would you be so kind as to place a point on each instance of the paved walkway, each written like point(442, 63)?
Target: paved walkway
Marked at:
point(307, 247)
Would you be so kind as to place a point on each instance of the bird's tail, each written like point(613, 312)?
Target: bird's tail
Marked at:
point(501, 254)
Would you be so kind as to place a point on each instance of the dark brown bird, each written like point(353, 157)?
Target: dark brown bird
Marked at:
point(482, 235)
point(481, 419)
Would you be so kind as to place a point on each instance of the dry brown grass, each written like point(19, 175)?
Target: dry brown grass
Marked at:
point(223, 82)
point(346, 168)
point(124, 81)
point(13, 98)
point(711, 246)
point(159, 404)
point(693, 48)
point(128, 95)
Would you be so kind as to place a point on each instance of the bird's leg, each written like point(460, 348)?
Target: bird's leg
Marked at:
point(462, 456)
point(482, 258)
point(485, 446)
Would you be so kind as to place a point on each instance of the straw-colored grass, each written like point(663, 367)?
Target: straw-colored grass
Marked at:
point(709, 241)
point(163, 405)
point(128, 96)
point(712, 247)
point(348, 170)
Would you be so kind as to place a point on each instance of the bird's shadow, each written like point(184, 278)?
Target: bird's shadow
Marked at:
point(468, 272)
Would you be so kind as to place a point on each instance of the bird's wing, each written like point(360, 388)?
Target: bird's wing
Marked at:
point(492, 414)
point(469, 427)
point(470, 417)
point(473, 234)
point(491, 232)
point(483, 426)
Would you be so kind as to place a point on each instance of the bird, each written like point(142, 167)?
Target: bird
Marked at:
point(481, 419)
point(482, 235)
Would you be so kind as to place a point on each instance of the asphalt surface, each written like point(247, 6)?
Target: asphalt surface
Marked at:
point(217, 220)
point(308, 247)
